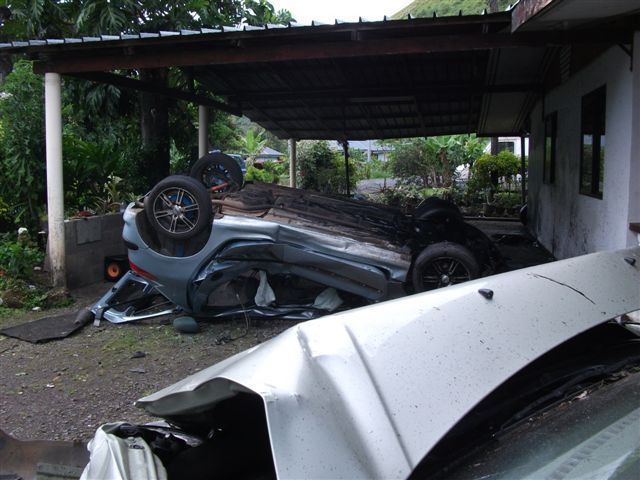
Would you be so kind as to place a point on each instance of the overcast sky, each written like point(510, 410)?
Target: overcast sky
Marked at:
point(326, 11)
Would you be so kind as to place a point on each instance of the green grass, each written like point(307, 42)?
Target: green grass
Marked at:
point(129, 338)
point(446, 8)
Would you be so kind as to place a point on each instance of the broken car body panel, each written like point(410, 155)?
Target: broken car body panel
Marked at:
point(369, 392)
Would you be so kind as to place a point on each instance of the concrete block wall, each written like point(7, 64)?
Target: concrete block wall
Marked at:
point(87, 242)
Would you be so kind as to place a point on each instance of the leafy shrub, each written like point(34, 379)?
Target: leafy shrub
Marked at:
point(434, 159)
point(18, 257)
point(409, 192)
point(375, 168)
point(323, 170)
point(406, 194)
point(488, 169)
point(266, 174)
point(414, 159)
point(507, 200)
point(22, 144)
point(6, 219)
point(476, 191)
point(91, 175)
point(178, 161)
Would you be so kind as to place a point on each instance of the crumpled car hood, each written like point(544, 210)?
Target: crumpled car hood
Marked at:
point(367, 393)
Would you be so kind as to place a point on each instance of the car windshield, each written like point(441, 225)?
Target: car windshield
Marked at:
point(595, 435)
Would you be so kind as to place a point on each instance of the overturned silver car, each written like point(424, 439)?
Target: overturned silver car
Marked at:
point(492, 378)
point(212, 247)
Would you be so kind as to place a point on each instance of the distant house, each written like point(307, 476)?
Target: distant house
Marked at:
point(511, 144)
point(373, 149)
point(269, 154)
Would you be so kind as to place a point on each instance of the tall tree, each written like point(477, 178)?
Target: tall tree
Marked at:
point(444, 8)
point(130, 16)
point(59, 18)
point(37, 19)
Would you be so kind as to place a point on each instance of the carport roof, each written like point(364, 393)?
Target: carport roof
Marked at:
point(386, 79)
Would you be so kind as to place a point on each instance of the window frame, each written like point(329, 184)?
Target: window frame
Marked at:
point(596, 103)
point(549, 164)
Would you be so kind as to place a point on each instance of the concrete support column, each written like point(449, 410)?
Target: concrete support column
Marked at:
point(293, 160)
point(345, 146)
point(55, 185)
point(203, 131)
point(634, 167)
point(523, 170)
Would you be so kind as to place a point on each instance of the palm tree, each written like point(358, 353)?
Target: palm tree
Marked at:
point(252, 144)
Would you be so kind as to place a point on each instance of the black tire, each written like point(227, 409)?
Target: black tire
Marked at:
point(218, 172)
point(443, 264)
point(178, 207)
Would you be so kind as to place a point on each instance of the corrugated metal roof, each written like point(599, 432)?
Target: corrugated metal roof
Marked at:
point(165, 33)
point(201, 31)
point(359, 80)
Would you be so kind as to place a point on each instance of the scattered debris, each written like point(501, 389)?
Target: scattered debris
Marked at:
point(13, 298)
point(57, 296)
point(138, 354)
point(137, 370)
point(223, 338)
point(486, 293)
point(44, 329)
point(186, 325)
point(84, 316)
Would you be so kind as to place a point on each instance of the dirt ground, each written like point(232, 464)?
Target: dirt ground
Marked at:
point(64, 390)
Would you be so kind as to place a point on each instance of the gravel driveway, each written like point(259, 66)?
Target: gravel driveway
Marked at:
point(64, 390)
point(374, 185)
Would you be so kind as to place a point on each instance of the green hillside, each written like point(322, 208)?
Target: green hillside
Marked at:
point(444, 8)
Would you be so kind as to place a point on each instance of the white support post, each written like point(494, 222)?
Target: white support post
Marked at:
point(292, 162)
point(55, 185)
point(634, 161)
point(203, 131)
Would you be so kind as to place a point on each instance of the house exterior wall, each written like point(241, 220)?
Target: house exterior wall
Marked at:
point(634, 173)
point(565, 221)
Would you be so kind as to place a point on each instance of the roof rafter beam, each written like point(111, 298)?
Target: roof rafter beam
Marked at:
point(254, 51)
point(415, 127)
point(376, 94)
point(306, 107)
point(343, 104)
point(267, 116)
point(409, 77)
point(353, 118)
point(141, 85)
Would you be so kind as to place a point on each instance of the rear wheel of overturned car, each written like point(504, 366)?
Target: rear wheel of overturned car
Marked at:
point(218, 172)
point(443, 264)
point(178, 207)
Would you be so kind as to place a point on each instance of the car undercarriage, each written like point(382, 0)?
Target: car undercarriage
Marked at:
point(299, 247)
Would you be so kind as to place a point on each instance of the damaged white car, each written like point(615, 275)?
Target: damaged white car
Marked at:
point(528, 374)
